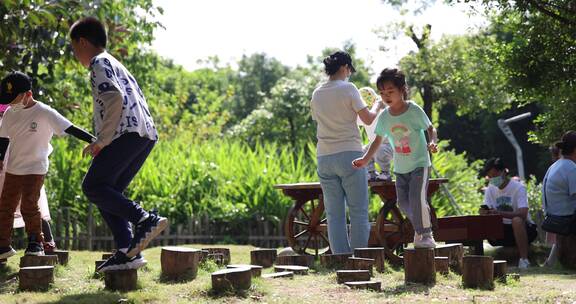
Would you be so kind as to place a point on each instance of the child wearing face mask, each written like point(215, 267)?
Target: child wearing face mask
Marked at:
point(26, 130)
point(507, 197)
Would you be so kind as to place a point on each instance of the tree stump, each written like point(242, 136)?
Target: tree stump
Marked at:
point(419, 266)
point(334, 261)
point(442, 265)
point(36, 277)
point(300, 260)
point(233, 278)
point(225, 252)
point(478, 272)
point(454, 252)
point(38, 260)
point(376, 253)
point(500, 270)
point(276, 275)
point(566, 250)
point(360, 264)
point(179, 262)
point(371, 285)
point(263, 257)
point(121, 280)
point(63, 256)
point(97, 264)
point(343, 276)
point(203, 255)
point(256, 269)
point(106, 256)
point(299, 270)
point(218, 258)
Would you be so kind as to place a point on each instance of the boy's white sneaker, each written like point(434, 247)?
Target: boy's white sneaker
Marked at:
point(424, 241)
point(523, 263)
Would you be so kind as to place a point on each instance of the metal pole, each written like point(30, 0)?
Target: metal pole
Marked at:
point(503, 124)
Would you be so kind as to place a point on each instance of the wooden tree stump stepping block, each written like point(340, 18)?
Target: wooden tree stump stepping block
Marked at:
point(300, 260)
point(218, 258)
point(121, 280)
point(203, 255)
point(233, 278)
point(478, 272)
point(256, 269)
point(442, 265)
point(263, 256)
point(97, 264)
point(371, 285)
point(40, 260)
point(276, 275)
point(35, 277)
point(419, 266)
point(225, 252)
point(179, 262)
point(63, 256)
point(376, 253)
point(352, 276)
point(566, 250)
point(500, 270)
point(334, 261)
point(454, 252)
point(299, 270)
point(360, 264)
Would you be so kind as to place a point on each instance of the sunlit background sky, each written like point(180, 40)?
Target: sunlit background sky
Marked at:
point(291, 30)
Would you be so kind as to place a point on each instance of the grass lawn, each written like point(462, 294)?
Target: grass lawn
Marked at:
point(77, 284)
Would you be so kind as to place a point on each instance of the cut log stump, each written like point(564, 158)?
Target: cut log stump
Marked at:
point(35, 277)
point(334, 261)
point(478, 272)
point(371, 285)
point(567, 250)
point(38, 260)
point(263, 257)
point(203, 255)
point(232, 279)
point(454, 252)
point(343, 276)
point(121, 280)
point(63, 256)
point(500, 270)
point(299, 270)
point(376, 253)
point(225, 252)
point(179, 262)
point(360, 264)
point(276, 275)
point(218, 258)
point(300, 260)
point(256, 269)
point(419, 266)
point(442, 265)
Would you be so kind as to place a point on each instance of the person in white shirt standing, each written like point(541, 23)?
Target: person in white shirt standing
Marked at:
point(125, 134)
point(26, 130)
point(507, 197)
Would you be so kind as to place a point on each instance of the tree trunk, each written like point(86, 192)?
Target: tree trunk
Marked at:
point(454, 252)
point(234, 278)
point(263, 257)
point(343, 276)
point(500, 270)
point(360, 264)
point(36, 278)
point(179, 262)
point(40, 260)
point(224, 251)
point(371, 285)
point(566, 250)
point(419, 266)
point(442, 265)
point(121, 280)
point(334, 261)
point(300, 260)
point(375, 253)
point(63, 256)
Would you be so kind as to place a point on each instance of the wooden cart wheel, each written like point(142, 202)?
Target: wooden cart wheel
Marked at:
point(393, 231)
point(306, 228)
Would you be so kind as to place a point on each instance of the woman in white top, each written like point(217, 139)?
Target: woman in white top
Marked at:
point(336, 105)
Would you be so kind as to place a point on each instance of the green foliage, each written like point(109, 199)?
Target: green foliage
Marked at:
point(463, 182)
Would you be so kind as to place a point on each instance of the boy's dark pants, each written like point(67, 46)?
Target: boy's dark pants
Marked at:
point(110, 173)
point(24, 189)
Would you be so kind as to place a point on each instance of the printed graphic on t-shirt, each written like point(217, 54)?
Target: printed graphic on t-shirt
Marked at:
point(33, 126)
point(401, 135)
point(504, 203)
